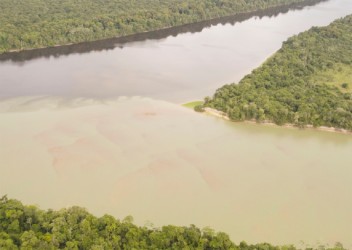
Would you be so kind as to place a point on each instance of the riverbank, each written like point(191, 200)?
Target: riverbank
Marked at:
point(222, 115)
point(297, 4)
point(275, 91)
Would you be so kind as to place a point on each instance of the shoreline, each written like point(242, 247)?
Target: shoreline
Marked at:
point(253, 12)
point(222, 115)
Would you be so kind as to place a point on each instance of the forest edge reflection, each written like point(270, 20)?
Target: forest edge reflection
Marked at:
point(112, 43)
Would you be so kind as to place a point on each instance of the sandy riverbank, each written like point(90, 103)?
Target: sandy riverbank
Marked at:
point(222, 115)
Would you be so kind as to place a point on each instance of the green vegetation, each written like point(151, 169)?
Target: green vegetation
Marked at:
point(27, 227)
point(344, 85)
point(307, 82)
point(339, 76)
point(193, 104)
point(42, 23)
point(196, 105)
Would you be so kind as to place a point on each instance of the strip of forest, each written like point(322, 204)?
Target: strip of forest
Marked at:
point(307, 82)
point(44, 23)
point(28, 227)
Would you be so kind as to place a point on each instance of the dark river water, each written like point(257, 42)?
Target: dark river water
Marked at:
point(176, 65)
point(99, 125)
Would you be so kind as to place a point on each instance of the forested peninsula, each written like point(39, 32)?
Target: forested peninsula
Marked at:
point(28, 227)
point(308, 82)
point(44, 23)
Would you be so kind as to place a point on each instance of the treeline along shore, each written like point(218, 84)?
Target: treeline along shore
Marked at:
point(28, 227)
point(307, 83)
point(48, 23)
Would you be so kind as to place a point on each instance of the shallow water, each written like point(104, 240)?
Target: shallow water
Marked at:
point(79, 142)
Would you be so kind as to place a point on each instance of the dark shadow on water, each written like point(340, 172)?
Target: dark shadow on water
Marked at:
point(112, 43)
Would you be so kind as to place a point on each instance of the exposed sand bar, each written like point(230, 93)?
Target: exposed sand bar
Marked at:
point(164, 163)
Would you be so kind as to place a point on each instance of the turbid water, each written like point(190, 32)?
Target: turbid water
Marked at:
point(83, 144)
point(162, 163)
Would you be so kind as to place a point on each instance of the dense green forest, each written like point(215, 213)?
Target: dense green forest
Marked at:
point(308, 81)
point(43, 23)
point(27, 227)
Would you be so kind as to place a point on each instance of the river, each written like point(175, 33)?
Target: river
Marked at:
point(99, 125)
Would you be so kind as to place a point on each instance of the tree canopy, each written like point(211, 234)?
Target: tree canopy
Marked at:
point(28, 227)
point(43, 23)
point(307, 82)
